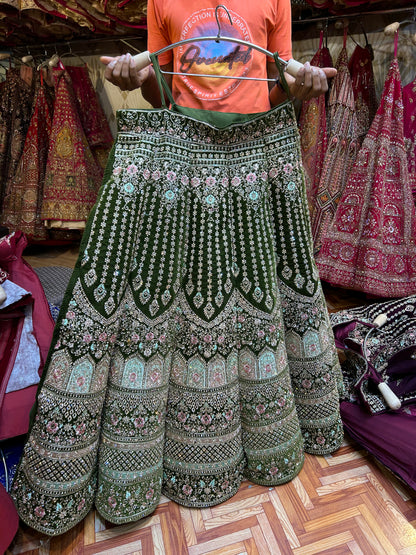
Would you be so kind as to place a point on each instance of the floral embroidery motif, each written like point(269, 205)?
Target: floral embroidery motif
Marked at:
point(173, 370)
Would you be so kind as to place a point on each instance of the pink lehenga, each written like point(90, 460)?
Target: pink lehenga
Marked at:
point(370, 245)
point(341, 150)
point(313, 130)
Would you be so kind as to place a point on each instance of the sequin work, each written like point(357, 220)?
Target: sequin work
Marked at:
point(193, 345)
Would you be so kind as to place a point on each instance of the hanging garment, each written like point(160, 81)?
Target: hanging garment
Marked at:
point(409, 131)
point(371, 245)
point(313, 132)
point(341, 150)
point(193, 345)
point(23, 199)
point(93, 119)
point(16, 102)
point(72, 176)
point(362, 78)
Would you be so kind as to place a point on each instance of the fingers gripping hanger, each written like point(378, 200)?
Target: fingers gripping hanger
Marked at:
point(291, 66)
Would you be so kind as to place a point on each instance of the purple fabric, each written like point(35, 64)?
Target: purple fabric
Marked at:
point(390, 437)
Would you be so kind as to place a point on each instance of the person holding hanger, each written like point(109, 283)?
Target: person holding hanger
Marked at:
point(193, 346)
point(267, 23)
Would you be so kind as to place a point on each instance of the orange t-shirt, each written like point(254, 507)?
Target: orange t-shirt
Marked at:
point(266, 23)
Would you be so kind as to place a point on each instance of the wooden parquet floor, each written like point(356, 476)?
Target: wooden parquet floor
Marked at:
point(339, 504)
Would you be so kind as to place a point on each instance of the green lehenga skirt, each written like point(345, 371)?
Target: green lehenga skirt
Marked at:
point(193, 347)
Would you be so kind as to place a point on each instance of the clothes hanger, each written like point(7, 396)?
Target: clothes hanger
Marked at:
point(291, 66)
point(391, 29)
point(69, 53)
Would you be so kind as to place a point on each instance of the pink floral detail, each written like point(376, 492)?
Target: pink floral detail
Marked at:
point(156, 175)
point(281, 402)
point(39, 511)
point(224, 181)
point(117, 170)
point(52, 427)
point(132, 376)
point(196, 377)
point(320, 440)
point(208, 338)
point(210, 181)
point(150, 336)
point(114, 419)
point(57, 373)
point(206, 419)
point(263, 176)
point(187, 490)
point(155, 376)
point(273, 172)
point(228, 415)
point(113, 338)
point(225, 484)
point(247, 368)
point(80, 381)
point(235, 182)
point(194, 340)
point(273, 471)
point(241, 318)
point(132, 169)
point(162, 338)
point(195, 181)
point(184, 180)
point(139, 422)
point(171, 176)
point(251, 177)
point(221, 339)
point(261, 333)
point(70, 315)
point(80, 429)
point(288, 168)
point(150, 492)
point(272, 328)
point(260, 409)
point(81, 504)
point(58, 344)
point(146, 173)
point(307, 384)
point(87, 338)
point(102, 336)
point(112, 502)
point(268, 368)
point(181, 416)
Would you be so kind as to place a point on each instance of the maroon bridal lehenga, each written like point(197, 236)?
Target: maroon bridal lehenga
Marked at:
point(370, 245)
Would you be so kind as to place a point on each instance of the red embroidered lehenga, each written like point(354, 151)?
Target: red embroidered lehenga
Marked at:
point(313, 130)
point(72, 175)
point(371, 245)
point(93, 118)
point(16, 104)
point(362, 79)
point(23, 199)
point(409, 129)
point(341, 150)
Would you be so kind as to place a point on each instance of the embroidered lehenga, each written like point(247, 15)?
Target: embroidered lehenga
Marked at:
point(370, 245)
point(193, 345)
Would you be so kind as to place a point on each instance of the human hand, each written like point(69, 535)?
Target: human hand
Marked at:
point(311, 81)
point(122, 71)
